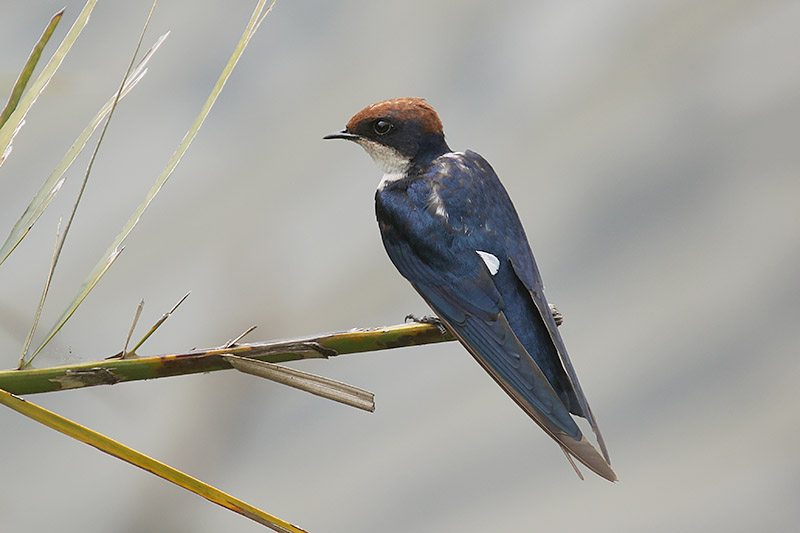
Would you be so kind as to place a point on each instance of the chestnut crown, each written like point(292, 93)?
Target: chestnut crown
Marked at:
point(408, 126)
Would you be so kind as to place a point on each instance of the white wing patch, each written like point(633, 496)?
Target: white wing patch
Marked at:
point(492, 262)
point(436, 204)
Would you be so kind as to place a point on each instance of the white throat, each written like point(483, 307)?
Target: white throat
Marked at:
point(393, 164)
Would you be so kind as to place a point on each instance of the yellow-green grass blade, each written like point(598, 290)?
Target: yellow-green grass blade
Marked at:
point(115, 370)
point(17, 118)
point(30, 65)
point(102, 265)
point(146, 463)
point(53, 184)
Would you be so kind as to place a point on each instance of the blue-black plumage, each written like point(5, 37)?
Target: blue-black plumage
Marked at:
point(450, 228)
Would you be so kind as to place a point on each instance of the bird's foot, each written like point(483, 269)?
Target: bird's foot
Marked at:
point(557, 316)
point(428, 319)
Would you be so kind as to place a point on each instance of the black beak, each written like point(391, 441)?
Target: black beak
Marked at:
point(344, 134)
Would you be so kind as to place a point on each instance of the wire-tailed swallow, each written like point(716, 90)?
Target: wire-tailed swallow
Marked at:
point(450, 228)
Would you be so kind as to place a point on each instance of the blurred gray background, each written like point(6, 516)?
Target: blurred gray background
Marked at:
point(651, 150)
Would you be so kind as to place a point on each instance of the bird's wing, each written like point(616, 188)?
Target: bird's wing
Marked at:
point(524, 265)
point(461, 291)
point(526, 270)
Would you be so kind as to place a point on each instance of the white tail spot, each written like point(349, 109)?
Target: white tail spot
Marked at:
point(492, 263)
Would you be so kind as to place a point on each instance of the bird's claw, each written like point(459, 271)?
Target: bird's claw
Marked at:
point(428, 319)
point(557, 316)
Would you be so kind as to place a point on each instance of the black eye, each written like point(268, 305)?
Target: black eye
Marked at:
point(382, 126)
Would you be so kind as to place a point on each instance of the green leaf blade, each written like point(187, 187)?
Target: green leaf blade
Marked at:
point(16, 120)
point(30, 66)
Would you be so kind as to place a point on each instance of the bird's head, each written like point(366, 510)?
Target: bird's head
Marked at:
point(397, 133)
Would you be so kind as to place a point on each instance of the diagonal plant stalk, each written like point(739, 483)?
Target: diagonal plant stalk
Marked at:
point(136, 316)
point(30, 65)
point(120, 451)
point(39, 307)
point(261, 11)
point(111, 371)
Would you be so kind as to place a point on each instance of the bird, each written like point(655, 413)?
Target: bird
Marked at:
point(450, 228)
